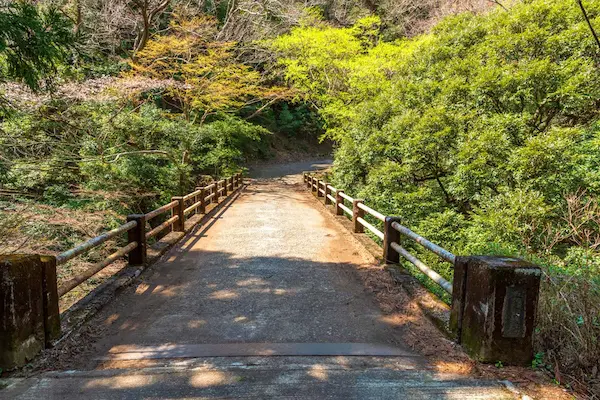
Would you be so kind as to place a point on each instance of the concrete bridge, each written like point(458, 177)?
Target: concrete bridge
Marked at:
point(266, 298)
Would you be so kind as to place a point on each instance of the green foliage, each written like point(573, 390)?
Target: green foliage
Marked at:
point(33, 39)
point(202, 75)
point(140, 156)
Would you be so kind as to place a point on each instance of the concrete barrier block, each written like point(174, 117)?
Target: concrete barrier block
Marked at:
point(494, 308)
point(22, 334)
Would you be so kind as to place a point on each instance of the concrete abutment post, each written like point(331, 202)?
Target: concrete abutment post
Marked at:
point(494, 306)
point(29, 315)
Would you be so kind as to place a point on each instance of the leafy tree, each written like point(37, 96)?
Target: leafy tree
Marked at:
point(33, 39)
point(202, 75)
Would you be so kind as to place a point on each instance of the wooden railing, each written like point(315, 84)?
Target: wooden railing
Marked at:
point(185, 212)
point(390, 237)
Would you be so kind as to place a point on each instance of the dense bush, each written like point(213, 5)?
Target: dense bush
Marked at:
point(482, 135)
point(145, 154)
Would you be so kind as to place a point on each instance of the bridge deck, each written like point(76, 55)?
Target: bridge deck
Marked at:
point(269, 268)
point(270, 275)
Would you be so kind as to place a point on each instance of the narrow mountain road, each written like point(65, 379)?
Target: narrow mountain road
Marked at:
point(264, 301)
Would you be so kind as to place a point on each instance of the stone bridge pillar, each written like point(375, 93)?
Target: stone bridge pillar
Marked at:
point(494, 306)
point(29, 315)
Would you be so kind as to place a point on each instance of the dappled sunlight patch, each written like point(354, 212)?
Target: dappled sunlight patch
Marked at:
point(398, 319)
point(194, 324)
point(157, 289)
point(111, 319)
point(251, 282)
point(342, 361)
point(241, 319)
point(164, 291)
point(224, 295)
point(142, 288)
point(318, 372)
point(206, 379)
point(279, 292)
point(128, 326)
point(463, 367)
point(120, 382)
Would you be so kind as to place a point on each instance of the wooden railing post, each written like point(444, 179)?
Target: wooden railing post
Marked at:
point(202, 208)
point(390, 235)
point(216, 192)
point(319, 184)
point(179, 225)
point(327, 193)
point(23, 308)
point(308, 181)
point(357, 213)
point(339, 200)
point(312, 184)
point(225, 186)
point(138, 234)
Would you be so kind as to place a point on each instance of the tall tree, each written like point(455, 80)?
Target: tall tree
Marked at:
point(33, 39)
point(148, 10)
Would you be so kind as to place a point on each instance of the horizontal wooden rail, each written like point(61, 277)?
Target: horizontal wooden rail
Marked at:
point(330, 197)
point(193, 207)
point(346, 209)
point(443, 253)
point(161, 210)
point(346, 197)
point(191, 195)
point(370, 227)
point(434, 276)
point(210, 196)
point(155, 231)
point(93, 270)
point(92, 243)
point(374, 213)
point(334, 190)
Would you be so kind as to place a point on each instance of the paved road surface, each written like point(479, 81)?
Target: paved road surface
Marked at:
point(263, 302)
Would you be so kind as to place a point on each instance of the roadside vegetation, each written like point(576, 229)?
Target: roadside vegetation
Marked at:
point(475, 121)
